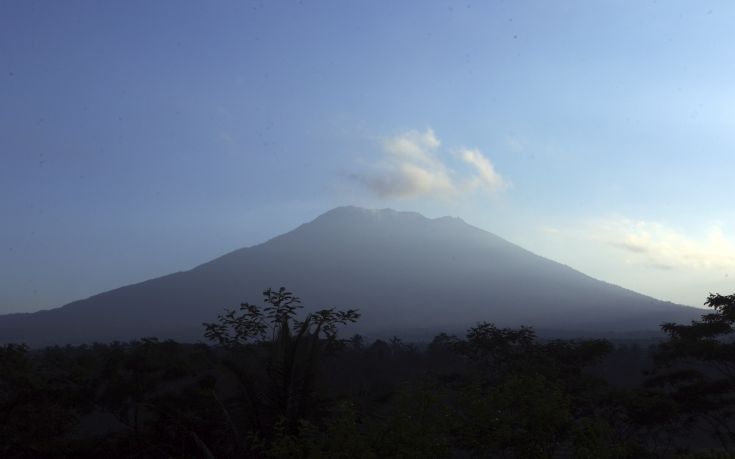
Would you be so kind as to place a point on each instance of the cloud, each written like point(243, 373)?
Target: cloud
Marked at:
point(486, 174)
point(630, 247)
point(657, 245)
point(411, 165)
point(413, 145)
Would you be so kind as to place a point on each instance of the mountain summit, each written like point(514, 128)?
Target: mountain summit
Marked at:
point(403, 271)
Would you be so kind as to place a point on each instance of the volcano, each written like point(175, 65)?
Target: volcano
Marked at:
point(405, 273)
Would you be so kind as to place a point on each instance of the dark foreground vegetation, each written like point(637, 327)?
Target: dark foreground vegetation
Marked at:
point(275, 384)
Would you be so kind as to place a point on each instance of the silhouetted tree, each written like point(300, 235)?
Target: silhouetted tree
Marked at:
point(286, 347)
point(697, 368)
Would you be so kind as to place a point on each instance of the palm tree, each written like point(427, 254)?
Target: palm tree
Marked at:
point(271, 342)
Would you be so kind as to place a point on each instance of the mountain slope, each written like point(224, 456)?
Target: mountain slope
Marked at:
point(402, 270)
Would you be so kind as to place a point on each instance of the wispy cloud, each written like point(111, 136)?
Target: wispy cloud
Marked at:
point(412, 165)
point(660, 246)
point(486, 176)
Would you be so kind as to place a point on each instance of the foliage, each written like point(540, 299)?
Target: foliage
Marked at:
point(276, 385)
point(525, 415)
point(696, 367)
point(34, 410)
point(253, 324)
point(273, 339)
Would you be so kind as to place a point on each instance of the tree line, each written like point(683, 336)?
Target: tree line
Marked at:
point(275, 383)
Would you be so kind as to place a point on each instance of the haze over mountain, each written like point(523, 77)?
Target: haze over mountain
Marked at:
point(403, 271)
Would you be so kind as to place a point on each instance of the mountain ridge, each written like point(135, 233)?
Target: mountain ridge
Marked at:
point(402, 270)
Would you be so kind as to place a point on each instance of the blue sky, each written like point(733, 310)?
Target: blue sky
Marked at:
point(141, 138)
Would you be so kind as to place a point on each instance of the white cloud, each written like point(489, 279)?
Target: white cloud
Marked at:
point(662, 247)
point(411, 165)
point(413, 145)
point(486, 174)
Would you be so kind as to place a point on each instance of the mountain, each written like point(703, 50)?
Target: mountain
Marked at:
point(405, 272)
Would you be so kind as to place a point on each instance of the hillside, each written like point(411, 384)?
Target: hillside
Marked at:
point(406, 273)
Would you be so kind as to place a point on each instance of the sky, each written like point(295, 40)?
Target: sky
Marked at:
point(142, 138)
